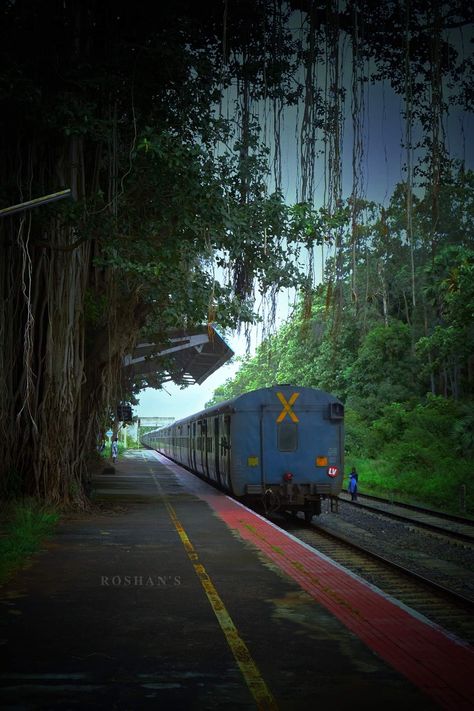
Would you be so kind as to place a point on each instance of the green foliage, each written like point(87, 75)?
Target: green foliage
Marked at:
point(384, 355)
point(335, 355)
point(450, 292)
point(384, 370)
point(24, 526)
point(386, 429)
point(463, 431)
point(355, 433)
point(416, 450)
point(441, 489)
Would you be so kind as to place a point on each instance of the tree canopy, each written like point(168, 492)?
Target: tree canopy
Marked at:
point(167, 124)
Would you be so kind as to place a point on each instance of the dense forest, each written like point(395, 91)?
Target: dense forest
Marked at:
point(167, 124)
point(398, 351)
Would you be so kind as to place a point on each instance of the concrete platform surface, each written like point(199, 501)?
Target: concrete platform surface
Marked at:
point(173, 596)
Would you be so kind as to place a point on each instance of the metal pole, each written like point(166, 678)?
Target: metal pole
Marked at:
point(30, 204)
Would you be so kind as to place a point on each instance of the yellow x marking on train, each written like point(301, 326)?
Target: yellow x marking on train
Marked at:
point(287, 407)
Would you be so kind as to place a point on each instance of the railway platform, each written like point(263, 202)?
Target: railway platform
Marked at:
point(171, 595)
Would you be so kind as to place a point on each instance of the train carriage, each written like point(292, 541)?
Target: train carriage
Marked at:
point(281, 446)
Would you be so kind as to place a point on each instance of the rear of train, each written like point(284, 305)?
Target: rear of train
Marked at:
point(288, 448)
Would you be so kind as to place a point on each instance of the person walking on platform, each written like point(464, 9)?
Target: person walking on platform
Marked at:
point(114, 450)
point(352, 488)
point(354, 474)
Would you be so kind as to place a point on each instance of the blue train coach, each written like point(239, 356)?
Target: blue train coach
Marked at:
point(282, 447)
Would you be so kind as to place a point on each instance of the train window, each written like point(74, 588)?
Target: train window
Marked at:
point(287, 436)
point(336, 411)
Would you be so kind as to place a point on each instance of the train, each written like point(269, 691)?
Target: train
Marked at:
point(280, 447)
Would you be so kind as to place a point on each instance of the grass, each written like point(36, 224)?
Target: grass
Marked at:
point(106, 453)
point(24, 526)
point(439, 489)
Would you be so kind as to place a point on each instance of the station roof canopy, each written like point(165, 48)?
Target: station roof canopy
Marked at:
point(189, 356)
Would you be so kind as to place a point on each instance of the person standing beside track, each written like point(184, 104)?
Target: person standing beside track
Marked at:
point(352, 488)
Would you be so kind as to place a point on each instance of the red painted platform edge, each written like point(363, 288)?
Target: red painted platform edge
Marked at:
point(427, 655)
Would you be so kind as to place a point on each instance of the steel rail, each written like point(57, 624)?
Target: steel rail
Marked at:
point(446, 592)
point(445, 607)
point(420, 509)
point(446, 532)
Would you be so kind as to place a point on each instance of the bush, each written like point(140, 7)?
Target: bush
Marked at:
point(413, 452)
point(387, 428)
point(438, 487)
point(463, 432)
point(355, 433)
point(410, 456)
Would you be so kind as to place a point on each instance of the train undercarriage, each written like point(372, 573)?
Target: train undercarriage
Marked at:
point(292, 498)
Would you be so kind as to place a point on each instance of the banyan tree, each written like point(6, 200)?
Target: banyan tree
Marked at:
point(168, 123)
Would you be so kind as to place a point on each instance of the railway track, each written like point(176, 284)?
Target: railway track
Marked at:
point(440, 604)
point(448, 525)
point(413, 507)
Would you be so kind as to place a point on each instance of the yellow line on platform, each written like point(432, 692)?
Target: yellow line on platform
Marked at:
point(259, 690)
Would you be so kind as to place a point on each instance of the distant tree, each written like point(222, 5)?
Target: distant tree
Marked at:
point(384, 371)
point(447, 352)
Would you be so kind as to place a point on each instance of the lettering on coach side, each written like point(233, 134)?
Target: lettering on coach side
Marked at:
point(287, 407)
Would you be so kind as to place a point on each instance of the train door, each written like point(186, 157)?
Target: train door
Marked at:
point(205, 447)
point(225, 451)
point(193, 446)
point(199, 448)
point(216, 450)
point(188, 444)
